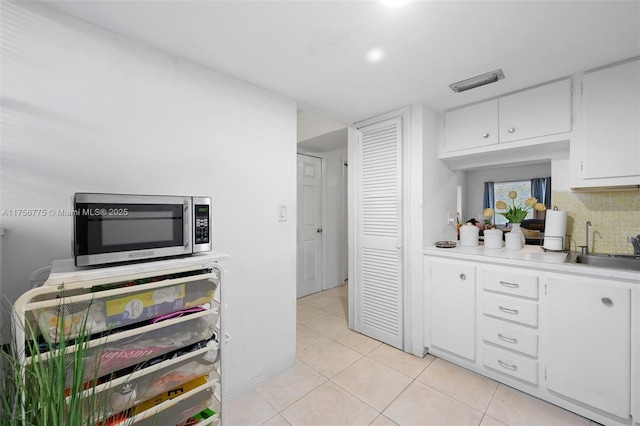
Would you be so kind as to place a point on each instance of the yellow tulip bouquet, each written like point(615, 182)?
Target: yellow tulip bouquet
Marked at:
point(515, 213)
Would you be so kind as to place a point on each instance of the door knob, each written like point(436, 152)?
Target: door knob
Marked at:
point(319, 230)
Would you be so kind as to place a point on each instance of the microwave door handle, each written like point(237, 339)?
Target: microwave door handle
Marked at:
point(187, 228)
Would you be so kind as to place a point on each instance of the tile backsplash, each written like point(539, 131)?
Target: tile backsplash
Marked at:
point(614, 217)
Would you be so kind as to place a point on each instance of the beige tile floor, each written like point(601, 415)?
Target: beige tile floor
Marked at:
point(345, 378)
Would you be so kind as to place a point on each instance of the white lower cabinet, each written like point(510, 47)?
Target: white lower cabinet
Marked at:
point(588, 342)
point(452, 307)
point(510, 309)
point(510, 323)
point(515, 339)
point(510, 363)
point(572, 340)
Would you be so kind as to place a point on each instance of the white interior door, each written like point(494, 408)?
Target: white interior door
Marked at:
point(378, 261)
point(309, 269)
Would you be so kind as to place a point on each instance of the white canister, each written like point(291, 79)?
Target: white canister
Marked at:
point(493, 238)
point(469, 234)
point(513, 241)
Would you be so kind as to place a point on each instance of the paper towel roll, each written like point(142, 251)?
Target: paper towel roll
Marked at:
point(555, 230)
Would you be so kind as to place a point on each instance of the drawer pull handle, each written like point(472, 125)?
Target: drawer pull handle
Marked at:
point(510, 285)
point(463, 277)
point(508, 311)
point(607, 302)
point(507, 339)
point(507, 365)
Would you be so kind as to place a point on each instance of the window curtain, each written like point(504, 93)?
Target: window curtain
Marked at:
point(541, 190)
point(489, 197)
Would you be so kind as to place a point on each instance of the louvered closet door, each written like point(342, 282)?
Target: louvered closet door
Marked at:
point(379, 262)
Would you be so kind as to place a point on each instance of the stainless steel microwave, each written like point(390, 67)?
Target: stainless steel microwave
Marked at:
point(113, 228)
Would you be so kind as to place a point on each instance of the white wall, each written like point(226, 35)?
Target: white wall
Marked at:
point(440, 186)
point(475, 179)
point(87, 110)
point(312, 125)
point(561, 172)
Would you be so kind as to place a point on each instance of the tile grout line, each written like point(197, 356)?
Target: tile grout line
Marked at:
point(331, 337)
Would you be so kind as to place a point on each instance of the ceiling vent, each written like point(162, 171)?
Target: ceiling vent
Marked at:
point(477, 81)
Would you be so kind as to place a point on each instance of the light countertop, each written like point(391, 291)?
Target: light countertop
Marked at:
point(531, 257)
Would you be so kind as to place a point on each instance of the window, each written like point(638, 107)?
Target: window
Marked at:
point(501, 192)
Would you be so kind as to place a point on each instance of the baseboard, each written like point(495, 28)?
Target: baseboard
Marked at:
point(263, 377)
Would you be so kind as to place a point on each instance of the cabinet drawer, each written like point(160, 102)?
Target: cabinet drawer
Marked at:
point(508, 282)
point(128, 303)
point(510, 308)
point(122, 350)
point(510, 337)
point(139, 385)
point(194, 402)
point(511, 364)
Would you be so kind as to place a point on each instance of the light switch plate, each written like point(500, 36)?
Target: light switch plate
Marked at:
point(451, 220)
point(282, 213)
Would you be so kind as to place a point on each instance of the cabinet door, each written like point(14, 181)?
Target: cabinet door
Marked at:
point(611, 126)
point(471, 127)
point(453, 308)
point(588, 343)
point(541, 111)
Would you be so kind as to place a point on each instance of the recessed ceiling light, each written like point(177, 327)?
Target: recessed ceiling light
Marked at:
point(394, 4)
point(375, 55)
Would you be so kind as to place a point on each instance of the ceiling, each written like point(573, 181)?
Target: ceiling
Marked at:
point(315, 51)
point(326, 142)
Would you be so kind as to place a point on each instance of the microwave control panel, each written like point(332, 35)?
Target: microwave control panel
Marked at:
point(201, 223)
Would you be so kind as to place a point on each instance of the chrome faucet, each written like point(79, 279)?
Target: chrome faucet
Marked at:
point(585, 247)
point(636, 244)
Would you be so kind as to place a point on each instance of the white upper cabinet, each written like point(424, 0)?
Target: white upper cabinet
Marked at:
point(611, 132)
point(471, 127)
point(532, 117)
point(541, 111)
